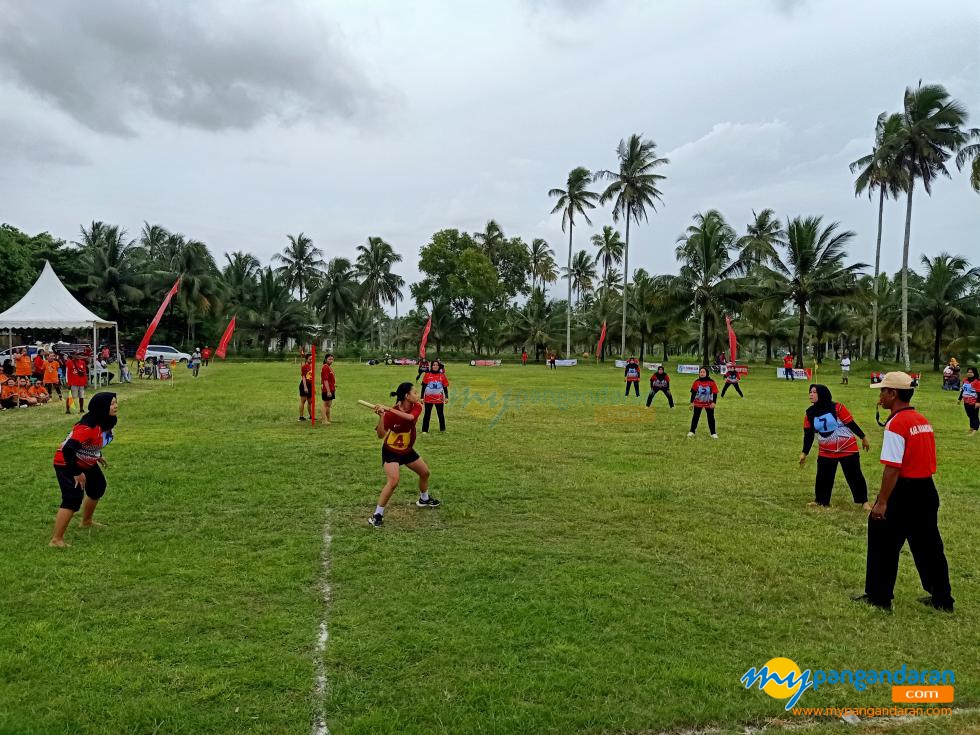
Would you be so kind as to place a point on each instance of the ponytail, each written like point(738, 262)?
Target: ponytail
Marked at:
point(403, 390)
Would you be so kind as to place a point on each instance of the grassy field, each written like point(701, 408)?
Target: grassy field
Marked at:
point(592, 570)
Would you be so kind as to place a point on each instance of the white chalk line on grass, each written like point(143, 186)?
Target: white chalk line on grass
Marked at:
point(320, 685)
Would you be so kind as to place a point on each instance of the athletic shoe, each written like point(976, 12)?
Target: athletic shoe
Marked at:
point(302, 418)
point(690, 435)
point(377, 520)
point(865, 600)
point(714, 436)
point(928, 602)
point(424, 431)
point(430, 503)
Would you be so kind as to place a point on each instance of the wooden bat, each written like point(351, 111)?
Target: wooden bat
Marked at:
point(366, 404)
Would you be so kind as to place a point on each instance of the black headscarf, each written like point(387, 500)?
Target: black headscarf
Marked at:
point(824, 404)
point(98, 412)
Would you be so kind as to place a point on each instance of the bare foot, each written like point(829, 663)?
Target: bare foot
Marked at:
point(866, 506)
point(59, 543)
point(92, 524)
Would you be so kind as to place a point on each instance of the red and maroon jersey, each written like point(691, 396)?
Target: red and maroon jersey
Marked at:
point(788, 361)
point(306, 372)
point(88, 442)
point(704, 392)
point(327, 379)
point(834, 438)
point(401, 433)
point(909, 444)
point(659, 381)
point(77, 370)
point(632, 372)
point(434, 387)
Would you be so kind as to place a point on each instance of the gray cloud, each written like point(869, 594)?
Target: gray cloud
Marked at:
point(211, 66)
point(19, 142)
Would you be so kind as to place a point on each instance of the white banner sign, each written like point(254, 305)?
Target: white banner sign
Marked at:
point(798, 373)
point(651, 366)
point(689, 369)
point(566, 363)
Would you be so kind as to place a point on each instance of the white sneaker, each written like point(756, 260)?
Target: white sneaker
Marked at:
point(690, 434)
point(714, 436)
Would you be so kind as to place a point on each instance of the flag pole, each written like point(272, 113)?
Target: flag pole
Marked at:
point(313, 385)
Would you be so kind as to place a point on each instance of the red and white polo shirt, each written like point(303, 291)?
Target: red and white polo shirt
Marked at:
point(909, 444)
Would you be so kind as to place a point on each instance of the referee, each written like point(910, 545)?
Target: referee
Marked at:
point(908, 503)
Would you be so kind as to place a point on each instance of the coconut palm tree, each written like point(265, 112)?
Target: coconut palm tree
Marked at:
point(609, 249)
point(275, 314)
point(707, 279)
point(878, 170)
point(240, 276)
point(153, 241)
point(945, 297)
point(574, 199)
point(491, 239)
point(302, 263)
point(762, 235)
point(971, 153)
point(336, 296)
point(111, 279)
point(582, 273)
point(92, 236)
point(536, 323)
point(767, 321)
point(547, 272)
point(373, 266)
point(201, 287)
point(811, 271)
point(539, 251)
point(632, 190)
point(931, 131)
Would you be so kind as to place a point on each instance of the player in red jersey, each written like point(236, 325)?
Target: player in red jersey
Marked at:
point(704, 396)
point(396, 429)
point(306, 397)
point(328, 386)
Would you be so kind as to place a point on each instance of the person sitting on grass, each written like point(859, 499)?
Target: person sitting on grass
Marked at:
point(24, 392)
point(39, 393)
point(9, 395)
point(78, 465)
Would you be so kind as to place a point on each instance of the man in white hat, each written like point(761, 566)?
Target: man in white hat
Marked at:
point(908, 504)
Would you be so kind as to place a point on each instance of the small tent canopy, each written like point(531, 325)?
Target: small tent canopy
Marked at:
point(49, 305)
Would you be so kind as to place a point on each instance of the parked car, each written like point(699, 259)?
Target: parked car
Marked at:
point(166, 352)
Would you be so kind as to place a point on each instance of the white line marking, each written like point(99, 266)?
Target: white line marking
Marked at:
point(320, 687)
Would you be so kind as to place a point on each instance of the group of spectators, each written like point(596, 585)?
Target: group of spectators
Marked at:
point(33, 381)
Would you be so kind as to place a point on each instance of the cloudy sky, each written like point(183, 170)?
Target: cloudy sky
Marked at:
point(239, 122)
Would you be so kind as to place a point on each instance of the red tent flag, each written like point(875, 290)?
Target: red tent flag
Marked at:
point(425, 338)
point(222, 350)
point(732, 342)
point(145, 342)
point(602, 339)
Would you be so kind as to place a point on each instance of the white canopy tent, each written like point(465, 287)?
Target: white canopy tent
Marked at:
point(49, 305)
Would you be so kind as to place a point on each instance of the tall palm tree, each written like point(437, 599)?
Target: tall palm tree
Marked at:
point(302, 263)
point(240, 276)
point(547, 272)
point(373, 266)
point(539, 251)
point(632, 191)
point(707, 275)
point(153, 241)
point(971, 153)
point(574, 199)
point(609, 247)
point(811, 271)
point(762, 235)
point(945, 297)
point(490, 239)
point(200, 284)
point(92, 236)
point(336, 296)
point(275, 314)
point(878, 170)
point(582, 273)
point(110, 276)
point(931, 132)
point(536, 323)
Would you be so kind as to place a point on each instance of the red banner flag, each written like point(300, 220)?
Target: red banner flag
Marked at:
point(222, 350)
point(425, 338)
point(145, 342)
point(732, 342)
point(602, 339)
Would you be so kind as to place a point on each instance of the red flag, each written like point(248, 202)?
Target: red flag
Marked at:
point(732, 342)
point(141, 351)
point(425, 338)
point(222, 350)
point(602, 339)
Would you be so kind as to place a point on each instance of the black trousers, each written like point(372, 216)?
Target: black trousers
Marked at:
point(732, 385)
point(973, 414)
point(665, 391)
point(697, 417)
point(428, 413)
point(789, 374)
point(636, 385)
point(912, 516)
point(827, 471)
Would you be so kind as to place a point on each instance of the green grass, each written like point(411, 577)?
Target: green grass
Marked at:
point(589, 572)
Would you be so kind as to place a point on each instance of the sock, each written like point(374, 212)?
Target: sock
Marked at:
point(424, 495)
point(379, 511)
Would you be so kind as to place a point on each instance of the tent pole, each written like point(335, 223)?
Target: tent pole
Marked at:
point(118, 353)
point(95, 342)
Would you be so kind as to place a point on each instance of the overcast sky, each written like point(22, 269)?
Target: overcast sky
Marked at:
point(239, 122)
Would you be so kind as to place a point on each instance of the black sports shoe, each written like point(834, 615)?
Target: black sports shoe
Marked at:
point(302, 418)
point(430, 503)
point(929, 602)
point(864, 599)
point(377, 520)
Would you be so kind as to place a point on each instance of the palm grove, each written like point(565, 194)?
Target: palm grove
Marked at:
point(787, 284)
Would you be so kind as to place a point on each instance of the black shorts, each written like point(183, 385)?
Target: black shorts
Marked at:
point(388, 456)
point(327, 396)
point(304, 392)
point(71, 496)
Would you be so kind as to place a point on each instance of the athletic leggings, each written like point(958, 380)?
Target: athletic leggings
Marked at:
point(428, 413)
point(827, 471)
point(635, 384)
point(973, 413)
point(732, 385)
point(665, 391)
point(697, 417)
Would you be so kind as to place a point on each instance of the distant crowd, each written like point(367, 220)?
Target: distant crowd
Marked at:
point(32, 381)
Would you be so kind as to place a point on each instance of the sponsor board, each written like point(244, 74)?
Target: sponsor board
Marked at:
point(484, 363)
point(688, 369)
point(798, 373)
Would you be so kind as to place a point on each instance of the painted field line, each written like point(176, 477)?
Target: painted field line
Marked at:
point(320, 685)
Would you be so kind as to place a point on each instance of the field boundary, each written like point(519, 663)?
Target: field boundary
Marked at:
point(323, 635)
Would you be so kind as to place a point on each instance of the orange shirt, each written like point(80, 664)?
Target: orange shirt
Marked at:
point(23, 365)
point(24, 392)
point(51, 371)
point(38, 391)
point(8, 391)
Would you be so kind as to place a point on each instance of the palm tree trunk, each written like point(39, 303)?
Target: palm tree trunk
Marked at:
point(799, 337)
point(905, 280)
point(626, 277)
point(936, 345)
point(768, 350)
point(704, 338)
point(568, 311)
point(665, 350)
point(874, 285)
